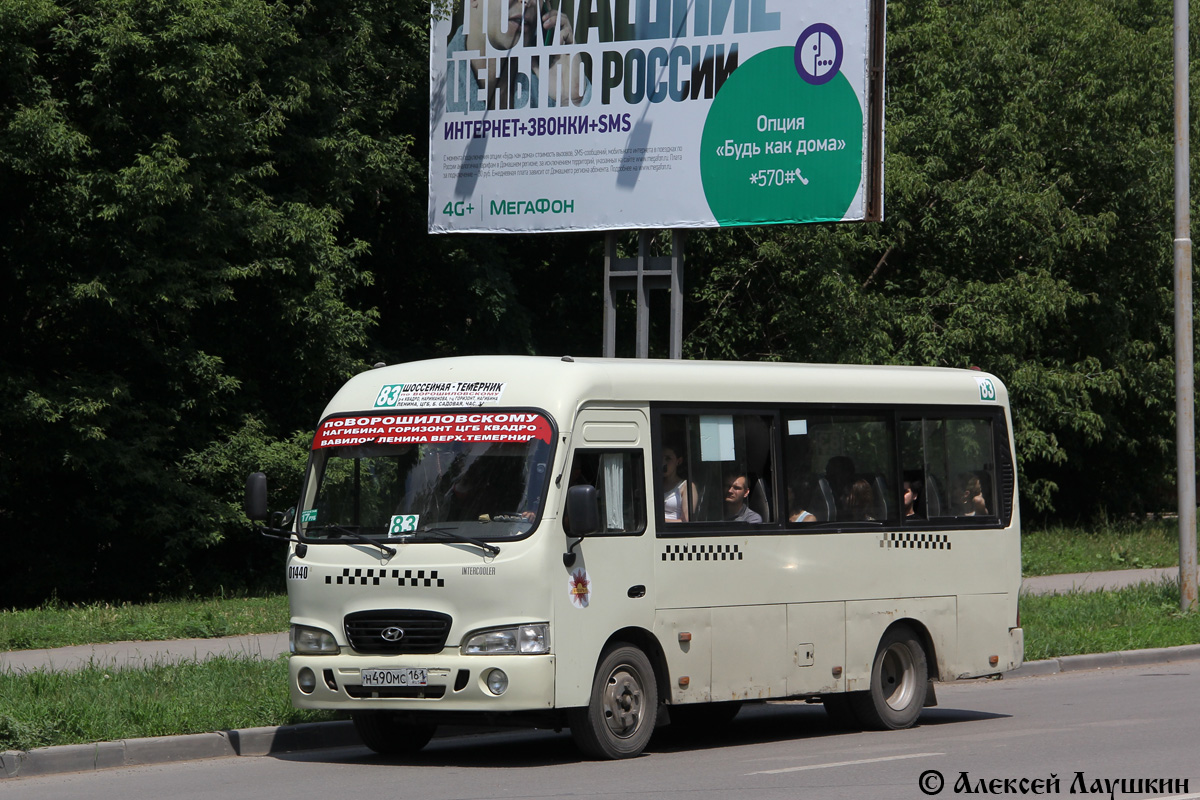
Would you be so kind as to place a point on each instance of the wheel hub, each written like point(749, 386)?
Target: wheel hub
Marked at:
point(897, 676)
point(623, 703)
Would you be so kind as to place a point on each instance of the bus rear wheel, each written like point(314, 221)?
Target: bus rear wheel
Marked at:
point(622, 708)
point(899, 681)
point(389, 734)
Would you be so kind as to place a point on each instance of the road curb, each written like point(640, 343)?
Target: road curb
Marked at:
point(320, 735)
point(167, 749)
point(1091, 661)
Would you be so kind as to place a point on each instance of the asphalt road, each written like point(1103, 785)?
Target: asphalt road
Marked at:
point(1071, 731)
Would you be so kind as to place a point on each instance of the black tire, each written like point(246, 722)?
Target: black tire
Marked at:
point(622, 707)
point(899, 682)
point(840, 710)
point(389, 734)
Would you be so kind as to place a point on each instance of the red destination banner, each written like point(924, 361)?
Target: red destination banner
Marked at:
point(431, 428)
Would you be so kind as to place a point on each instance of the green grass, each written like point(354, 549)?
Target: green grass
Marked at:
point(1101, 622)
point(42, 709)
point(55, 625)
point(1124, 545)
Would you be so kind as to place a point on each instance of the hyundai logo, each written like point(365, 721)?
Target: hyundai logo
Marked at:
point(392, 634)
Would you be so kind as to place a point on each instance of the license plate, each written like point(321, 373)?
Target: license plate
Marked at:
point(404, 676)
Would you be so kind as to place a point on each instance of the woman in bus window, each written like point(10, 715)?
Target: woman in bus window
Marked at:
point(679, 494)
point(796, 510)
point(860, 501)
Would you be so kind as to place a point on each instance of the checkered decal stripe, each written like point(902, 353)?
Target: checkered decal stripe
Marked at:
point(372, 577)
point(702, 552)
point(916, 541)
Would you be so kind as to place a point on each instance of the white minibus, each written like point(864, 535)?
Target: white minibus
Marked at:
point(610, 545)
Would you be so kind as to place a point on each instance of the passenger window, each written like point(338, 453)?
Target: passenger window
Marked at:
point(717, 468)
point(840, 468)
point(950, 463)
point(619, 478)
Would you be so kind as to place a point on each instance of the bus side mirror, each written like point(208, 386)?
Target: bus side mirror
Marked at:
point(255, 504)
point(583, 510)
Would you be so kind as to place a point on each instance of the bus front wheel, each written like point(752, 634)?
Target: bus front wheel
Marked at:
point(390, 735)
point(899, 681)
point(622, 707)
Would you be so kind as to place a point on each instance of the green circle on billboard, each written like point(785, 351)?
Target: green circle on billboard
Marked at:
point(777, 148)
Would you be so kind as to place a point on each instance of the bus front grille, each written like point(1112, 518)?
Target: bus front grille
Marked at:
point(397, 631)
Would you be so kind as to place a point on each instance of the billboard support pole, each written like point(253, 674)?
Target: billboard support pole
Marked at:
point(641, 275)
point(1185, 376)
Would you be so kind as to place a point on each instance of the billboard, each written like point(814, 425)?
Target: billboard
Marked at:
point(562, 115)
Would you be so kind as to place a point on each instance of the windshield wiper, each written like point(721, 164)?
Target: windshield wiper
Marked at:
point(458, 537)
point(358, 537)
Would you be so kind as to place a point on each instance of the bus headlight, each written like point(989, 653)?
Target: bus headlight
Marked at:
point(520, 639)
point(312, 641)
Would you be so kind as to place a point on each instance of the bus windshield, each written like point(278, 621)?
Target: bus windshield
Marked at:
point(405, 476)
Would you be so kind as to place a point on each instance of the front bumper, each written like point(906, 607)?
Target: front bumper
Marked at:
point(456, 683)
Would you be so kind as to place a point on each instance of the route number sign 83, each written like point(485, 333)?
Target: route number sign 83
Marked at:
point(403, 523)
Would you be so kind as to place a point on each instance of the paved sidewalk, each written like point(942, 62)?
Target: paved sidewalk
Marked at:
point(1096, 581)
point(139, 654)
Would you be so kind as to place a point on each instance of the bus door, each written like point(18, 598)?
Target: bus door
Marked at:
point(605, 583)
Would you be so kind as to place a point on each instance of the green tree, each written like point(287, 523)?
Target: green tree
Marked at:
point(1028, 204)
point(215, 210)
point(173, 234)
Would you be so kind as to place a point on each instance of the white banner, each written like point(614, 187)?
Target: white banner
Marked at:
point(558, 115)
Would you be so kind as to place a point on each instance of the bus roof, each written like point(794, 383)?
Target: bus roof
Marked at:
point(562, 385)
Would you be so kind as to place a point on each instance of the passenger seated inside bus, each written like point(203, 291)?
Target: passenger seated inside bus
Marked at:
point(860, 504)
point(912, 494)
point(839, 471)
point(679, 494)
point(796, 510)
point(464, 499)
point(737, 489)
point(839, 474)
point(968, 495)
